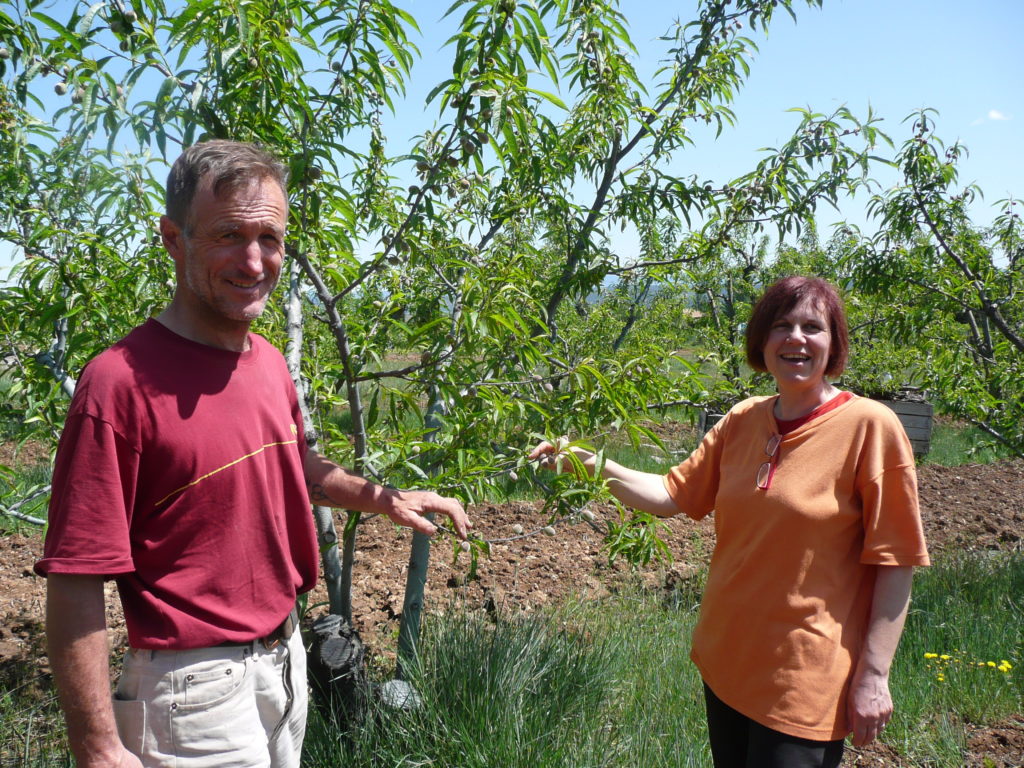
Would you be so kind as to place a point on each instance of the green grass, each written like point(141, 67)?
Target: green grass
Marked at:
point(609, 683)
point(955, 444)
point(589, 684)
point(969, 607)
point(31, 729)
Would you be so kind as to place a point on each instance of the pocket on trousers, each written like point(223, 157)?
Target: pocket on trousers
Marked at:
point(208, 683)
point(130, 717)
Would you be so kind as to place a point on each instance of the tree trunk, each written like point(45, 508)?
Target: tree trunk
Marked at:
point(419, 559)
point(327, 535)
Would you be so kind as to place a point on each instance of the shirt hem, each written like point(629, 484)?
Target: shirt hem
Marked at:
point(59, 565)
point(921, 560)
point(825, 734)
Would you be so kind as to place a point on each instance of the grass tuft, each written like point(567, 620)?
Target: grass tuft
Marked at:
point(609, 683)
point(31, 732)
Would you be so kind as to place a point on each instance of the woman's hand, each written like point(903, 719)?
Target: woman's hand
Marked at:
point(639, 490)
point(869, 707)
point(869, 704)
point(553, 456)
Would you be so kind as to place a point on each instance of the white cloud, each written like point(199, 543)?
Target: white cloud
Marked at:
point(995, 114)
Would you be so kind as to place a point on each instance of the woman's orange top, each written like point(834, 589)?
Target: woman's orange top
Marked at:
point(792, 575)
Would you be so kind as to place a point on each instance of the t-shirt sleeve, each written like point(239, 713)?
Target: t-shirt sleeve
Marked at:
point(693, 485)
point(893, 534)
point(93, 491)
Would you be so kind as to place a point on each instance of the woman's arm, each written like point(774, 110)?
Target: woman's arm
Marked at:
point(640, 490)
point(869, 704)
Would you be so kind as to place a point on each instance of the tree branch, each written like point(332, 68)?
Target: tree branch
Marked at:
point(12, 511)
point(989, 307)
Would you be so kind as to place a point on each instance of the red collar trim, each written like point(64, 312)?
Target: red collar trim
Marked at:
point(785, 427)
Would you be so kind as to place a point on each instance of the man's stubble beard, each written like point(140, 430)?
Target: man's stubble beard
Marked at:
point(203, 290)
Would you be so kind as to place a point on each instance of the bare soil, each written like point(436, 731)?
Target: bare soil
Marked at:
point(972, 507)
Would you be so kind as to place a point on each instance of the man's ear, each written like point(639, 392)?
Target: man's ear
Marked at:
point(173, 238)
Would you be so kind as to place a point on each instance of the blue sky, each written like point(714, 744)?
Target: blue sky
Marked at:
point(894, 55)
point(963, 59)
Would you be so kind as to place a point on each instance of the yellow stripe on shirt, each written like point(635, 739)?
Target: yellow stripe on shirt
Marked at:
point(198, 480)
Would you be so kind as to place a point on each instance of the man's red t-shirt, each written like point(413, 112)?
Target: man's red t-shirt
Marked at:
point(180, 473)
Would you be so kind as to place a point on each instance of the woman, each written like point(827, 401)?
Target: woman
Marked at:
point(817, 530)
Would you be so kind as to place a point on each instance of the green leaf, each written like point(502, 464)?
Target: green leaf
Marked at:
point(85, 23)
point(547, 97)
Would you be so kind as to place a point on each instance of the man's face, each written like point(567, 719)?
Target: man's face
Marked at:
point(230, 259)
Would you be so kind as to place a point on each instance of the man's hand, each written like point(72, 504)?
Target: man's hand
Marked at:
point(869, 707)
point(330, 485)
point(124, 759)
point(409, 507)
point(76, 635)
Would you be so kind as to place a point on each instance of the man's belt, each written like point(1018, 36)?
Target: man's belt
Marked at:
point(283, 631)
point(280, 634)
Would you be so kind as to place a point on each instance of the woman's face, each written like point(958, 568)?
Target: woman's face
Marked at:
point(796, 350)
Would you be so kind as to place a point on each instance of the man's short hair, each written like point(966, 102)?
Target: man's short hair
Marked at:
point(230, 166)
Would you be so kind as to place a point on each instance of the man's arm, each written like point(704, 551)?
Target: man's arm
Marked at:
point(332, 486)
point(869, 703)
point(76, 636)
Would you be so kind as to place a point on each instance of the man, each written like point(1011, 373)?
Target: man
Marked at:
point(182, 473)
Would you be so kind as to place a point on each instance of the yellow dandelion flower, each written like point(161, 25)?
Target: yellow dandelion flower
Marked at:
point(991, 664)
point(940, 678)
point(945, 657)
point(1005, 663)
point(931, 655)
